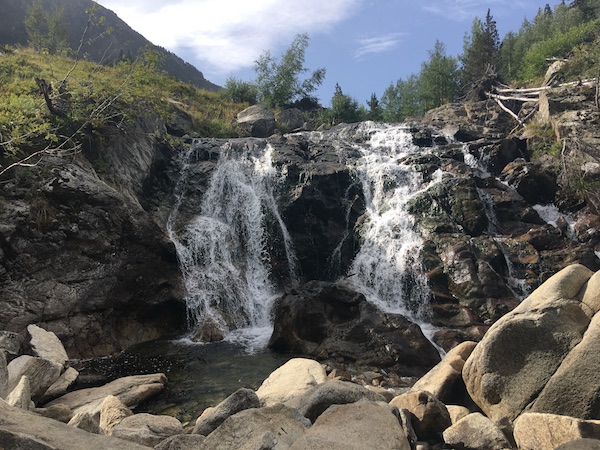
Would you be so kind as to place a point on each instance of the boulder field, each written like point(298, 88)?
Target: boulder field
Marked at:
point(530, 384)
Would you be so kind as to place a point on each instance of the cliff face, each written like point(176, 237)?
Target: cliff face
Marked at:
point(81, 256)
point(86, 253)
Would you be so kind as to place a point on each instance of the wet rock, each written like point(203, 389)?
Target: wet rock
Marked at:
point(238, 401)
point(315, 401)
point(535, 186)
point(357, 425)
point(332, 321)
point(429, 416)
point(535, 431)
point(475, 432)
point(147, 429)
point(291, 380)
point(271, 427)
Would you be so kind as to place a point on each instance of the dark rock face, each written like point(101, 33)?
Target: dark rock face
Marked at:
point(82, 258)
point(332, 321)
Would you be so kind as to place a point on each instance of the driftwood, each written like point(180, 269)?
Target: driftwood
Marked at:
point(53, 105)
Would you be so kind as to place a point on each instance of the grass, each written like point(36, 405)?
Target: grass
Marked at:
point(95, 97)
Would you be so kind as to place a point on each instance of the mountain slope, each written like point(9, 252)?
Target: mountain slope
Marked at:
point(98, 45)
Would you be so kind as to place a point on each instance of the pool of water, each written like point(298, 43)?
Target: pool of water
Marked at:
point(200, 375)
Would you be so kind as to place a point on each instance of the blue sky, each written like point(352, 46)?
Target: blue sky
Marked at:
point(364, 44)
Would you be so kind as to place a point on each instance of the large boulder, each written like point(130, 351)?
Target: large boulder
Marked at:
point(333, 321)
point(358, 425)
point(429, 416)
point(60, 386)
point(130, 390)
point(20, 429)
point(112, 413)
point(273, 427)
point(238, 401)
point(290, 119)
point(182, 442)
point(20, 396)
point(523, 350)
point(256, 121)
point(475, 432)
point(147, 429)
point(534, 431)
point(445, 381)
point(291, 380)
point(42, 373)
point(315, 401)
point(46, 345)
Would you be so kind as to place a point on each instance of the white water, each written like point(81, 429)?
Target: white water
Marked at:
point(387, 268)
point(551, 215)
point(224, 251)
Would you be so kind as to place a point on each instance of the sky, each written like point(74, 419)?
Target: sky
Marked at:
point(364, 45)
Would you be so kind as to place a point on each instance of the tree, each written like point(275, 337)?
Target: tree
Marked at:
point(438, 79)
point(402, 100)
point(481, 50)
point(375, 112)
point(35, 25)
point(344, 108)
point(239, 91)
point(279, 83)
point(57, 39)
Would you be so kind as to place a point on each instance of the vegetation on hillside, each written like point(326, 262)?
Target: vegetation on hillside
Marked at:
point(87, 98)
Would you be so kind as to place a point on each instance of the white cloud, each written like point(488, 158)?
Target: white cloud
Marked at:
point(223, 36)
point(466, 10)
point(378, 44)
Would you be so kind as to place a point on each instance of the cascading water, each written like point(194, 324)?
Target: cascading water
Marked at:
point(224, 251)
point(387, 268)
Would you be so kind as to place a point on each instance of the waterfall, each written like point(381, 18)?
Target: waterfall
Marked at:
point(387, 268)
point(224, 252)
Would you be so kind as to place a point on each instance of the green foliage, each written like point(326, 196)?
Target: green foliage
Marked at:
point(402, 100)
point(95, 97)
point(438, 79)
point(47, 31)
point(344, 109)
point(559, 45)
point(481, 50)
point(278, 81)
point(239, 91)
point(543, 140)
point(375, 112)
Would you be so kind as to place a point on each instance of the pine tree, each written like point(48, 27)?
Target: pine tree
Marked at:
point(36, 25)
point(375, 111)
point(481, 50)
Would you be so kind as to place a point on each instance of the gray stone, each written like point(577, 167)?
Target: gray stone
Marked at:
point(361, 425)
point(238, 401)
point(147, 429)
point(534, 431)
point(10, 342)
point(20, 429)
point(84, 421)
point(291, 119)
point(112, 413)
point(20, 396)
point(130, 390)
point(3, 376)
point(257, 121)
point(46, 345)
point(291, 380)
point(60, 386)
point(475, 432)
point(429, 416)
point(521, 352)
point(269, 428)
point(182, 442)
point(445, 381)
point(580, 444)
point(315, 401)
point(42, 373)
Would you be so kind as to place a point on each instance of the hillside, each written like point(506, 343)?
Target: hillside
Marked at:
point(99, 45)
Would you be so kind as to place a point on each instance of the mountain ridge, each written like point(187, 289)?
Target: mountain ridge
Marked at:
point(100, 47)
